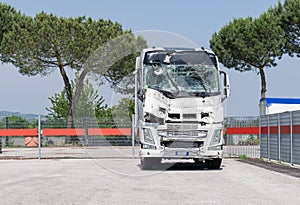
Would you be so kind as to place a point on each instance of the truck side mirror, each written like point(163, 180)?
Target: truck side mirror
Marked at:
point(137, 62)
point(140, 94)
point(226, 83)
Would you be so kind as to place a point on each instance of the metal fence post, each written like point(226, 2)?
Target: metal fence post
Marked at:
point(291, 134)
point(86, 131)
point(6, 127)
point(132, 134)
point(269, 137)
point(279, 135)
point(228, 146)
point(259, 134)
point(0, 145)
point(39, 137)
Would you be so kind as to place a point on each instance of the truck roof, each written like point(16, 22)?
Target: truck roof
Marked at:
point(176, 49)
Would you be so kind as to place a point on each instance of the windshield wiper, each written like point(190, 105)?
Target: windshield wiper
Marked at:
point(199, 79)
point(166, 93)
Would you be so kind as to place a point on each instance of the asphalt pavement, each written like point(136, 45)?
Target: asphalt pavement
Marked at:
point(121, 181)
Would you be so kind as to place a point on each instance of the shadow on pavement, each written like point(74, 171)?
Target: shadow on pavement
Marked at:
point(181, 166)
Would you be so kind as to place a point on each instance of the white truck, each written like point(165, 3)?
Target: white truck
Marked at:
point(179, 106)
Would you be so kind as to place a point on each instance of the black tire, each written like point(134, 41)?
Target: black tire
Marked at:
point(198, 161)
point(214, 164)
point(148, 163)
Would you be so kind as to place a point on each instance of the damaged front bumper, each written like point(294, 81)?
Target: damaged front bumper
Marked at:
point(181, 153)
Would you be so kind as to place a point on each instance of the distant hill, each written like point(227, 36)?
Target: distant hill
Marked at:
point(29, 117)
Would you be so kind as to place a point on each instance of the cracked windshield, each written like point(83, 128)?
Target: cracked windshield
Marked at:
point(182, 74)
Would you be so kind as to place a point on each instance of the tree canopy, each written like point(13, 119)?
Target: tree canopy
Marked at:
point(44, 43)
point(12, 122)
point(124, 109)
point(8, 15)
point(247, 44)
point(289, 13)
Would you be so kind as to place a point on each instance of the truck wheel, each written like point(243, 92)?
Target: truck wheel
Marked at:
point(148, 162)
point(198, 161)
point(214, 164)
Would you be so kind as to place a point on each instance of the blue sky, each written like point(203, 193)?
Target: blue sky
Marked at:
point(195, 20)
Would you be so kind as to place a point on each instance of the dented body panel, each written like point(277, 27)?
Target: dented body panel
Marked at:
point(179, 105)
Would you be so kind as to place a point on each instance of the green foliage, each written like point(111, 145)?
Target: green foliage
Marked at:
point(103, 111)
point(12, 122)
point(291, 22)
point(46, 42)
point(253, 140)
point(60, 105)
point(122, 112)
point(124, 109)
point(282, 163)
point(90, 104)
point(10, 143)
point(248, 44)
point(243, 156)
point(8, 15)
point(289, 14)
point(114, 62)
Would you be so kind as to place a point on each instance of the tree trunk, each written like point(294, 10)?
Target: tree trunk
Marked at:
point(68, 87)
point(78, 89)
point(263, 83)
point(73, 104)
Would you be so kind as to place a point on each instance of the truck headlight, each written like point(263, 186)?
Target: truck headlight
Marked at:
point(216, 138)
point(148, 138)
point(163, 133)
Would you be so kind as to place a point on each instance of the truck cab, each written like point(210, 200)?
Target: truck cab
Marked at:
point(179, 110)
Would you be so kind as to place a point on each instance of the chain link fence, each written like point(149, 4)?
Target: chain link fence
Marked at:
point(242, 137)
point(19, 137)
point(62, 141)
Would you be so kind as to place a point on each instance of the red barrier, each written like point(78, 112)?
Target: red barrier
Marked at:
point(66, 132)
point(284, 130)
point(243, 130)
point(127, 131)
point(62, 132)
point(109, 131)
point(18, 132)
point(91, 132)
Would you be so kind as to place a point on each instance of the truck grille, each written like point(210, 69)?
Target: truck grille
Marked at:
point(192, 133)
point(197, 134)
point(189, 116)
point(182, 126)
point(182, 133)
point(182, 144)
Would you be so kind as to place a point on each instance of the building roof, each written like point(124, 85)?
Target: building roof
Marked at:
point(270, 101)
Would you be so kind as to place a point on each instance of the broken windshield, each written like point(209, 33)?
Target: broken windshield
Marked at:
point(181, 75)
